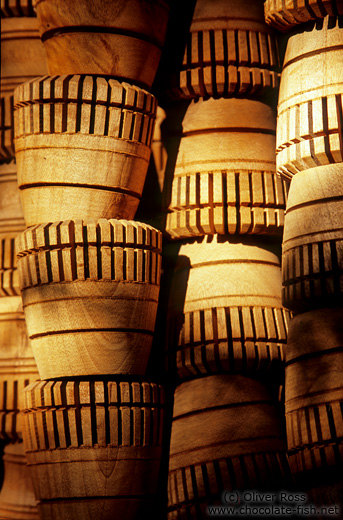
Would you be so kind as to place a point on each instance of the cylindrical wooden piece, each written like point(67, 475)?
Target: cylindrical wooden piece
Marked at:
point(95, 450)
point(17, 366)
point(17, 501)
point(90, 292)
point(314, 391)
point(227, 297)
point(312, 259)
point(108, 126)
point(215, 448)
point(309, 126)
point(224, 177)
point(230, 51)
point(117, 38)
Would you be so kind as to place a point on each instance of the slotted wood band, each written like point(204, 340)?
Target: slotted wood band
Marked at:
point(93, 250)
point(193, 488)
point(285, 14)
point(309, 127)
point(14, 8)
point(226, 201)
point(85, 104)
point(230, 339)
point(71, 414)
point(227, 62)
point(312, 258)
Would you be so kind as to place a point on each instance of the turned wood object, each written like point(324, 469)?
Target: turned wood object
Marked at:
point(108, 126)
point(22, 58)
point(312, 259)
point(90, 292)
point(94, 447)
point(17, 366)
point(224, 178)
point(121, 38)
point(17, 500)
point(226, 300)
point(226, 434)
point(285, 15)
point(230, 51)
point(310, 99)
point(314, 390)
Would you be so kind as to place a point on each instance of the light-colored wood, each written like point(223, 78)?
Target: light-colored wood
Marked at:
point(285, 15)
point(230, 51)
point(17, 366)
point(309, 123)
point(22, 58)
point(96, 448)
point(90, 291)
point(224, 177)
point(108, 126)
point(121, 38)
point(215, 448)
point(9, 282)
point(312, 260)
point(314, 390)
point(11, 213)
point(17, 501)
point(225, 312)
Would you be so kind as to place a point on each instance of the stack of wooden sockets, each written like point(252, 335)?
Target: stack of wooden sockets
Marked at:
point(22, 58)
point(89, 273)
point(227, 327)
point(310, 154)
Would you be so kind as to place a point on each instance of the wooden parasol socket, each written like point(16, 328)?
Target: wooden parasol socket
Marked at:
point(82, 147)
point(17, 500)
point(22, 58)
point(310, 99)
point(17, 366)
point(225, 312)
point(96, 448)
point(224, 178)
point(11, 213)
point(90, 291)
point(314, 391)
point(312, 259)
point(226, 434)
point(121, 38)
point(230, 51)
point(285, 15)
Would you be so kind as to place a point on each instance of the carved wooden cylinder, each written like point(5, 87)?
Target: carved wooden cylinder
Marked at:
point(117, 38)
point(17, 366)
point(310, 99)
point(226, 300)
point(314, 391)
point(215, 448)
point(108, 127)
point(224, 178)
point(285, 15)
point(90, 292)
point(96, 448)
point(17, 500)
point(312, 259)
point(22, 58)
point(230, 51)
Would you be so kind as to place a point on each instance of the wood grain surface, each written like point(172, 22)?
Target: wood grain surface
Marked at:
point(283, 15)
